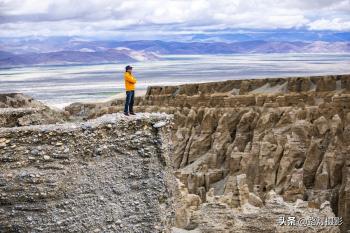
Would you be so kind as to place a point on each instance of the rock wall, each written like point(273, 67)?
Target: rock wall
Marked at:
point(287, 135)
point(110, 174)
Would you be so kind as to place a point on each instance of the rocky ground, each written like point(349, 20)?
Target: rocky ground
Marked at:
point(110, 174)
point(21, 110)
point(250, 153)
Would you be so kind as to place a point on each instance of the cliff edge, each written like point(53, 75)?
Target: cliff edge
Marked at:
point(109, 174)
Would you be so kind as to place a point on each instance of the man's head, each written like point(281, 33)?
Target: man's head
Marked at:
point(128, 68)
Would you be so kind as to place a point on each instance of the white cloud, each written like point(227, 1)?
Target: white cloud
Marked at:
point(334, 24)
point(19, 7)
point(139, 17)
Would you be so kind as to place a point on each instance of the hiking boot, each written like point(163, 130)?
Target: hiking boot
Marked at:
point(126, 114)
point(132, 113)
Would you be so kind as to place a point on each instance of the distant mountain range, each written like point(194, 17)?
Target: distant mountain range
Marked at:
point(162, 47)
point(274, 35)
point(74, 57)
point(77, 51)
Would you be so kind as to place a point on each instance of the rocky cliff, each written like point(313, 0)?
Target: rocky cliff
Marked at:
point(263, 155)
point(105, 175)
point(288, 136)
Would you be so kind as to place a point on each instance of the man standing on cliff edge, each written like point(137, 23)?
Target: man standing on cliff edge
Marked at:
point(130, 82)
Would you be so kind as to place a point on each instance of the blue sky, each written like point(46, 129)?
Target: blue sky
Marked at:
point(170, 19)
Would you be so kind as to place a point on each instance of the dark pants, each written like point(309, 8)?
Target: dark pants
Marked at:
point(129, 102)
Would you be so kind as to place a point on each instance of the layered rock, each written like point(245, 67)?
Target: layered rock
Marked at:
point(106, 175)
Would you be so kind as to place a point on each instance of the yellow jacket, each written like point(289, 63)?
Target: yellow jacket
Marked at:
point(129, 81)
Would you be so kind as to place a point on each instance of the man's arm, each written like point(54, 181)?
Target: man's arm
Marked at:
point(130, 78)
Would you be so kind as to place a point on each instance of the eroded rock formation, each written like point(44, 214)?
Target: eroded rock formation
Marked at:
point(245, 153)
point(286, 135)
point(21, 110)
